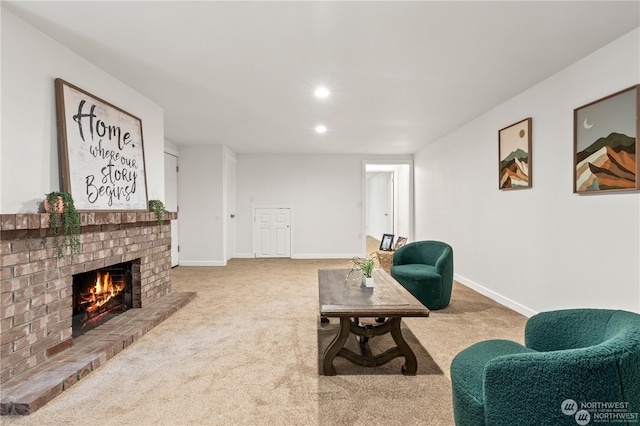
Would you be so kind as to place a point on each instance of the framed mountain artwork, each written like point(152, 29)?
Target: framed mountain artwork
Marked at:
point(605, 145)
point(514, 155)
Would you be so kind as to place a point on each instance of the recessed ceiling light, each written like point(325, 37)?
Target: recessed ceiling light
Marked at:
point(321, 92)
point(321, 128)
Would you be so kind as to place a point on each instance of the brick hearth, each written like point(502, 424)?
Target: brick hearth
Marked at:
point(40, 385)
point(39, 356)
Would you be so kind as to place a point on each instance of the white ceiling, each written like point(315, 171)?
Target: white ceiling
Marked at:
point(402, 74)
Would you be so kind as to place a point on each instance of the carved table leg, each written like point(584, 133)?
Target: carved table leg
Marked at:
point(411, 363)
point(335, 346)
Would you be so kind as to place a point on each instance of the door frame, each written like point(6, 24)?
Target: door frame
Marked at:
point(228, 222)
point(174, 224)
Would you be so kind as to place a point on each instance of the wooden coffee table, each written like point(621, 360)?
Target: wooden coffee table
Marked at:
point(388, 302)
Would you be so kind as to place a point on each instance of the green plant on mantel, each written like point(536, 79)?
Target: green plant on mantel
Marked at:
point(157, 207)
point(63, 215)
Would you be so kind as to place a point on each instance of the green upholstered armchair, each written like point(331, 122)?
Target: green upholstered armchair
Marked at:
point(576, 365)
point(425, 268)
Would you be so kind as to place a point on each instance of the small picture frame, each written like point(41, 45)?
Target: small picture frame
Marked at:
point(514, 155)
point(400, 242)
point(387, 242)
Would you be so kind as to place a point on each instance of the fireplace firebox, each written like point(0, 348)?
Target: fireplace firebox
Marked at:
point(100, 295)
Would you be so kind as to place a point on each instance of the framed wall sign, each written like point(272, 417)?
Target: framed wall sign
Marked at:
point(514, 155)
point(101, 152)
point(605, 147)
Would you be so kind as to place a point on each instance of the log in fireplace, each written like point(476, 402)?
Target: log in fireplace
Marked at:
point(100, 295)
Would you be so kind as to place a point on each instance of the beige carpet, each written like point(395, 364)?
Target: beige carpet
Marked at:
point(245, 352)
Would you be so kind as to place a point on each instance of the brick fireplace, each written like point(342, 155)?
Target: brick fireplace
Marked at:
point(36, 291)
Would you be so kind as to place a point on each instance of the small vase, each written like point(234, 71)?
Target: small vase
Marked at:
point(57, 207)
point(367, 281)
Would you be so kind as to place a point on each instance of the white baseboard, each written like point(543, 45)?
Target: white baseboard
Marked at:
point(243, 256)
point(202, 263)
point(527, 312)
point(323, 256)
point(301, 256)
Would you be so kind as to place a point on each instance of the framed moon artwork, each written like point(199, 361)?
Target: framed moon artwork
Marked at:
point(605, 148)
point(514, 155)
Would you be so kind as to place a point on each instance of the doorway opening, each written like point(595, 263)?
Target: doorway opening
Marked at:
point(388, 199)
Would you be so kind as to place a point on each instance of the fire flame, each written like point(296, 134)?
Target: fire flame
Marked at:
point(103, 291)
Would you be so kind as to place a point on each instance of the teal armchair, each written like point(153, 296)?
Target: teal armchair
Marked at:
point(571, 361)
point(425, 268)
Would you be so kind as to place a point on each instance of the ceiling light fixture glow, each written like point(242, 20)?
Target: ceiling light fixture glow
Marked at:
point(321, 92)
point(321, 128)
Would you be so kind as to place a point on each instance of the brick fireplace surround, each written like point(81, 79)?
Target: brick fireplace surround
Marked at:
point(38, 356)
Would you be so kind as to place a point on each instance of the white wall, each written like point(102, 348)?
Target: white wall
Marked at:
point(31, 61)
point(542, 248)
point(324, 193)
point(200, 198)
point(171, 148)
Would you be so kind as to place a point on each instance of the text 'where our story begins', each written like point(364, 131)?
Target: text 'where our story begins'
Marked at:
point(116, 175)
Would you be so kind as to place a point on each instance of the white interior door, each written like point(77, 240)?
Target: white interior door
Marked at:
point(380, 204)
point(272, 232)
point(171, 201)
